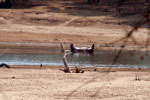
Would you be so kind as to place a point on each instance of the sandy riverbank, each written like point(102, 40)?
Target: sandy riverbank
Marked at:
point(57, 23)
point(49, 83)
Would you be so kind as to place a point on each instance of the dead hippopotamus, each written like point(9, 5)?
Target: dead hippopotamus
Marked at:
point(75, 49)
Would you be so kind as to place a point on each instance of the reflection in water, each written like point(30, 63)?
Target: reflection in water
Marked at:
point(99, 59)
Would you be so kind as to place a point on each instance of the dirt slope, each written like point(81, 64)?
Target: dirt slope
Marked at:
point(64, 23)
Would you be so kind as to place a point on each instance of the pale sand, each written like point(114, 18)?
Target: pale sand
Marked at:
point(49, 83)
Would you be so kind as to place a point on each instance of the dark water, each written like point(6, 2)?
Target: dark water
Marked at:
point(98, 59)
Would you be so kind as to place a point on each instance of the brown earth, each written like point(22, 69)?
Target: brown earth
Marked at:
point(66, 22)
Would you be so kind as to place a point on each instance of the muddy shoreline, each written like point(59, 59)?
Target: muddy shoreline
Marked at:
point(91, 69)
point(48, 48)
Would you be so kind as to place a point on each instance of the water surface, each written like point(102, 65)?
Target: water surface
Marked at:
point(98, 59)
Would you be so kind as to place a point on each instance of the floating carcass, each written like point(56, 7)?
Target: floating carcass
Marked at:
point(75, 49)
